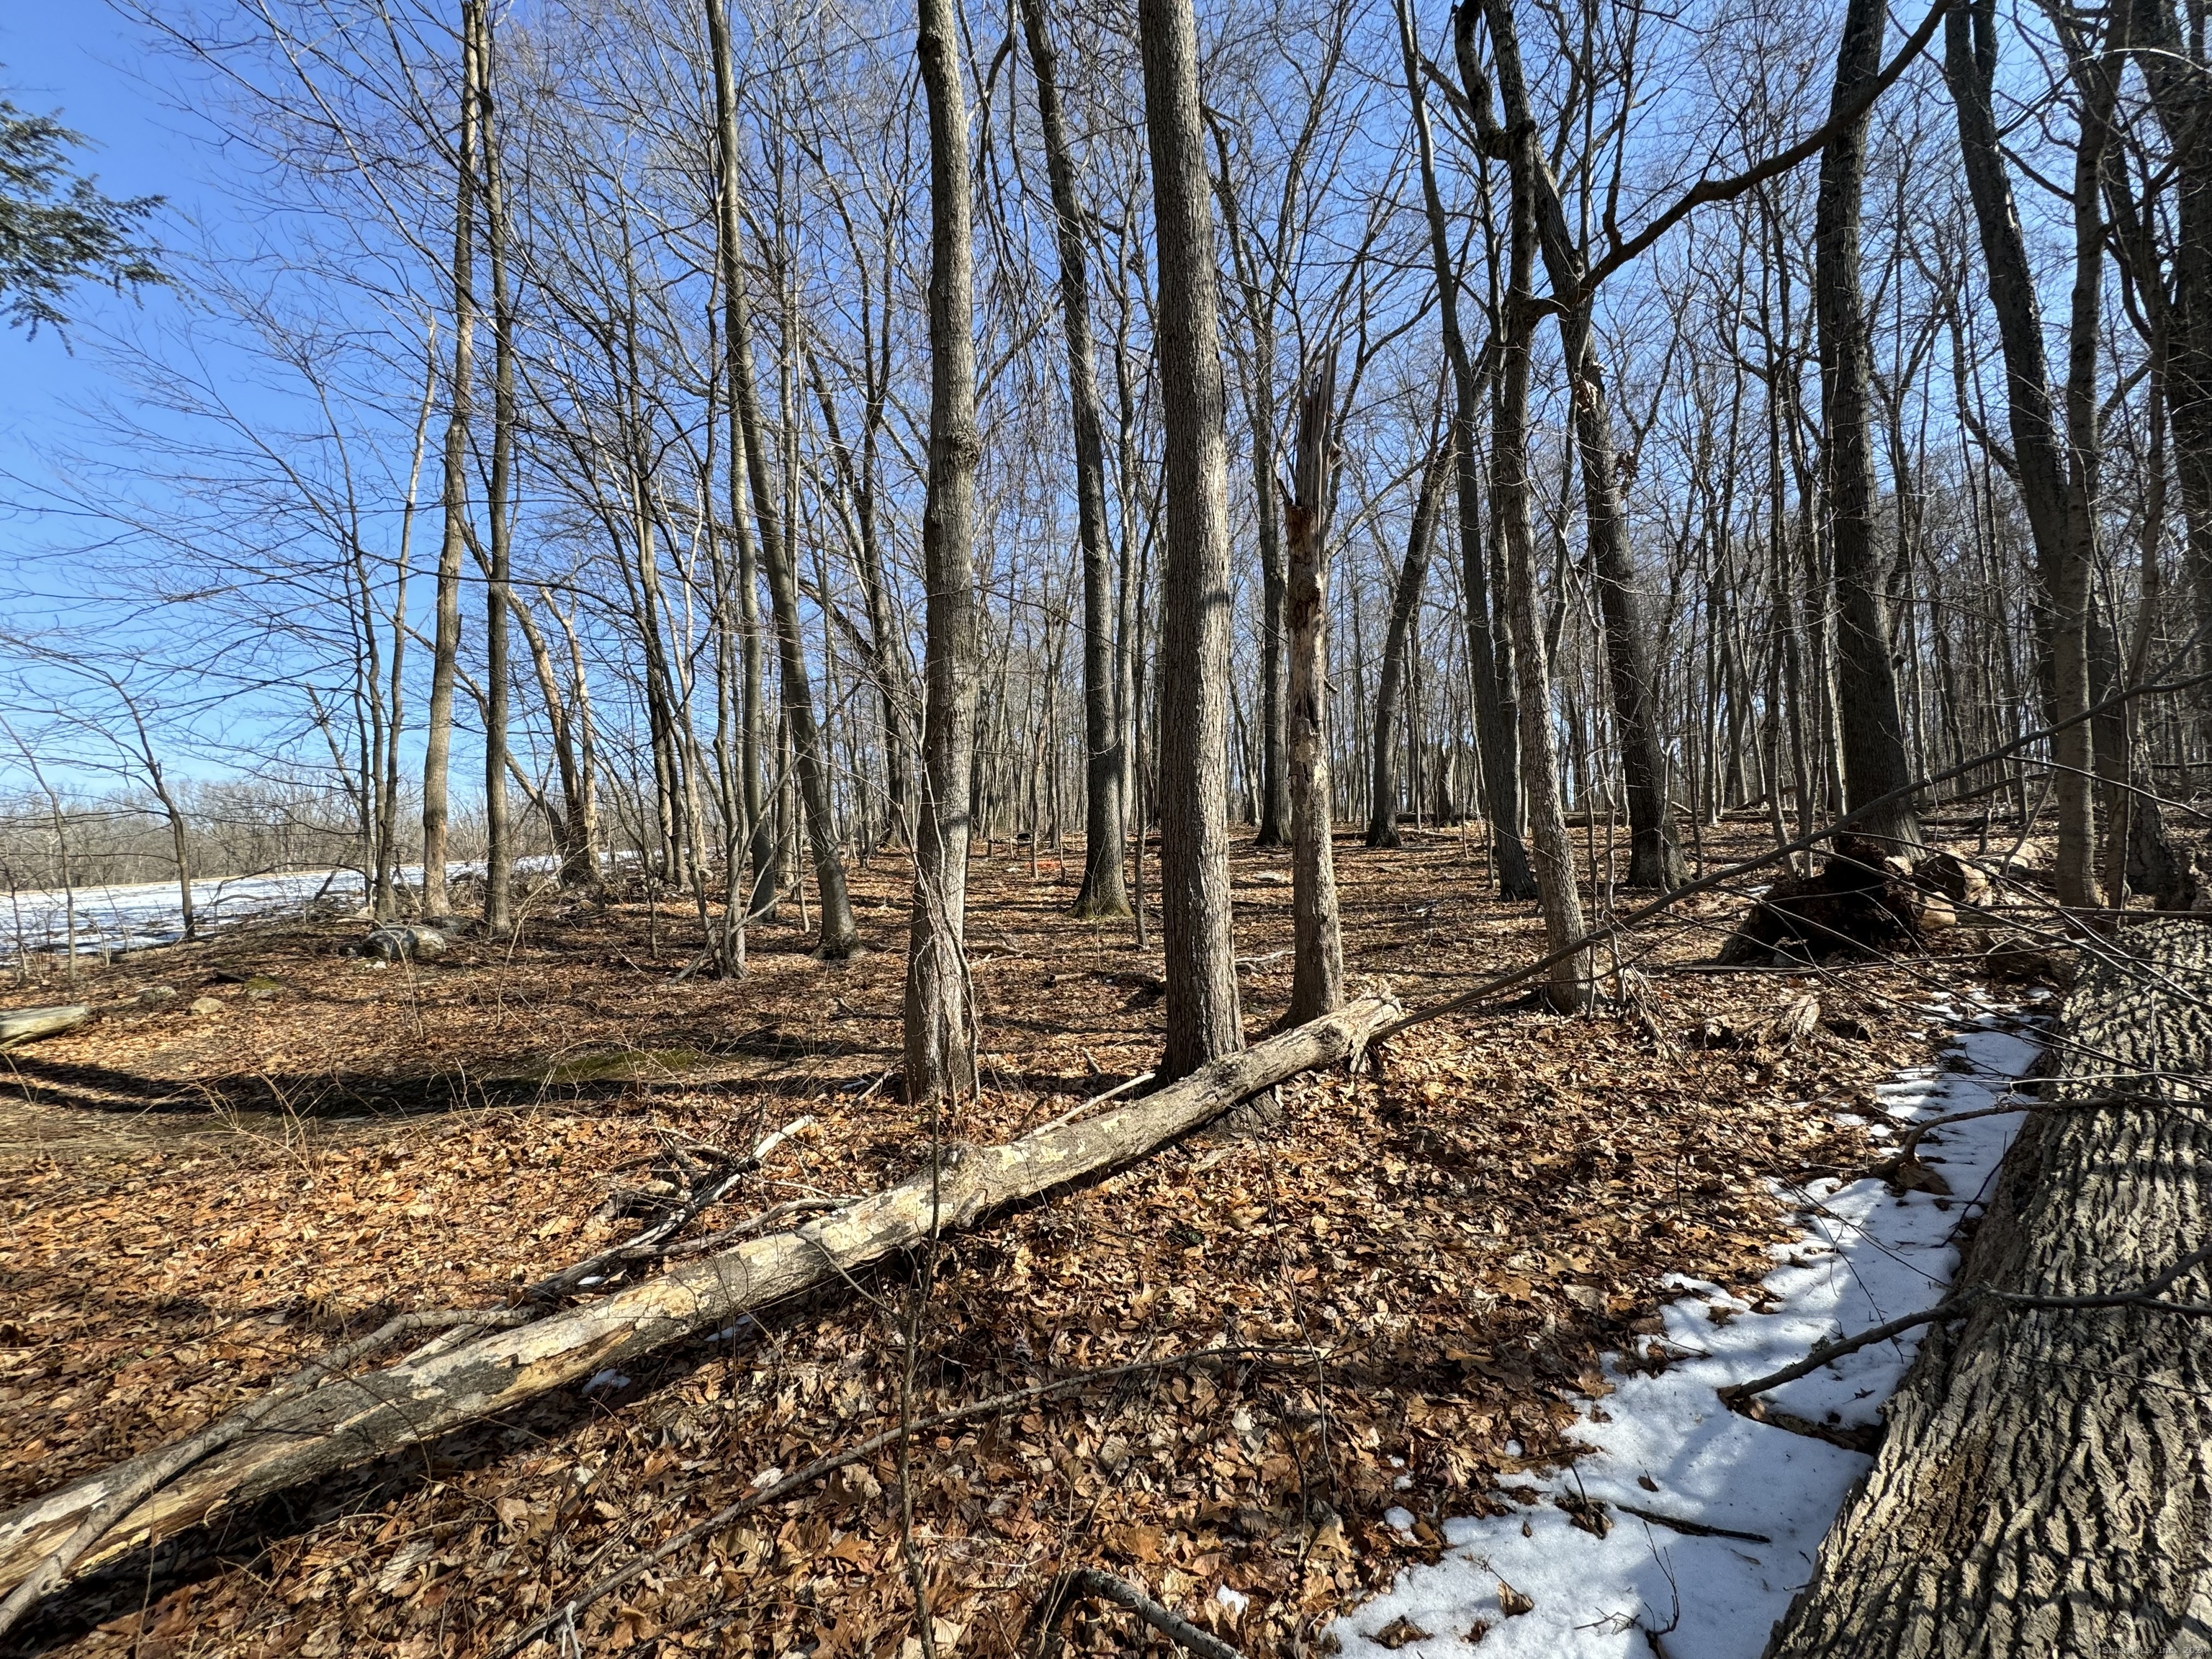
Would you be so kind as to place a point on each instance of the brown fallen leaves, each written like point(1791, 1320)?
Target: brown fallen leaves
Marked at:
point(1461, 1237)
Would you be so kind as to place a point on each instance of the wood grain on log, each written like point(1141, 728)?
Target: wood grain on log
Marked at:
point(22, 1025)
point(2045, 1484)
point(350, 1421)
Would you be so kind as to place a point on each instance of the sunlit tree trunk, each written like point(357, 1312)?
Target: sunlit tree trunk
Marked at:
point(1103, 892)
point(940, 1038)
point(445, 644)
point(1875, 762)
point(1205, 1019)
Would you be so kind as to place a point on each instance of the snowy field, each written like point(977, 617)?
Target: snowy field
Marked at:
point(1667, 1446)
point(147, 914)
point(111, 920)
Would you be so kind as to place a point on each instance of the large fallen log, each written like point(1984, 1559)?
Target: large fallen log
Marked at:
point(349, 1421)
point(2043, 1485)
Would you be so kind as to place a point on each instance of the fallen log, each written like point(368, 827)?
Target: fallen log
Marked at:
point(24, 1025)
point(349, 1421)
point(2040, 1487)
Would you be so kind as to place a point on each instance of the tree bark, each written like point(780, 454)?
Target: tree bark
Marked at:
point(1495, 717)
point(940, 1039)
point(1405, 605)
point(2040, 1485)
point(1875, 762)
point(347, 1423)
point(499, 848)
point(1104, 893)
point(1203, 1017)
point(438, 735)
point(2059, 512)
point(1654, 860)
point(1569, 987)
point(1317, 945)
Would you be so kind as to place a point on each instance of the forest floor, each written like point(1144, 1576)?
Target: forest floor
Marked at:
point(193, 1205)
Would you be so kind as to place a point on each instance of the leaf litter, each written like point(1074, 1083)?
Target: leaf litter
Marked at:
point(1455, 1244)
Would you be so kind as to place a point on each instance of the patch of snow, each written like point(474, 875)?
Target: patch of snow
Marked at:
point(1401, 1518)
point(607, 1379)
point(1235, 1600)
point(1667, 1446)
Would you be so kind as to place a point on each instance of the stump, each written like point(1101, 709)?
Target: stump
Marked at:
point(2045, 1484)
point(1863, 900)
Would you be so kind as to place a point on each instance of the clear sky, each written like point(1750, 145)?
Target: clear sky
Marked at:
point(78, 59)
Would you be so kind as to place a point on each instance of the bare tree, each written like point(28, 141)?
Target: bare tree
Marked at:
point(1317, 968)
point(1105, 828)
point(1204, 1016)
point(940, 1039)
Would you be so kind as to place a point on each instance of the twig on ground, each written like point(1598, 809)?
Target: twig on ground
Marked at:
point(646, 1243)
point(823, 1467)
point(2150, 1294)
point(1078, 1582)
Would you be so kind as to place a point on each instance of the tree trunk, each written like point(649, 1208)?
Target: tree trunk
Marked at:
point(940, 1038)
point(1104, 893)
point(1654, 860)
point(1405, 605)
point(438, 736)
point(1317, 953)
point(2040, 1487)
point(2059, 512)
point(1203, 1017)
point(1561, 902)
point(499, 850)
point(1496, 719)
point(1875, 763)
point(344, 1424)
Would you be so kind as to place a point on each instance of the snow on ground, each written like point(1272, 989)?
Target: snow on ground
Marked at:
point(1666, 1445)
point(147, 914)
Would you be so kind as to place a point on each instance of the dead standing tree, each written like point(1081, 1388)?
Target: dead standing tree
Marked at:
point(1317, 969)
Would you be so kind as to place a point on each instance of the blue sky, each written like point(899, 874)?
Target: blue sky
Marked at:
point(83, 62)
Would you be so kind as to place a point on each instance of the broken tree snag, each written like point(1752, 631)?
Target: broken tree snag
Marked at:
point(349, 1421)
point(2040, 1489)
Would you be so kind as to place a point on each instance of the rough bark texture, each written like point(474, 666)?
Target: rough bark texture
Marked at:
point(1654, 859)
point(351, 1422)
point(1204, 1016)
point(1317, 970)
point(1406, 599)
point(1875, 763)
point(1103, 892)
point(2045, 1483)
point(438, 735)
point(940, 1047)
